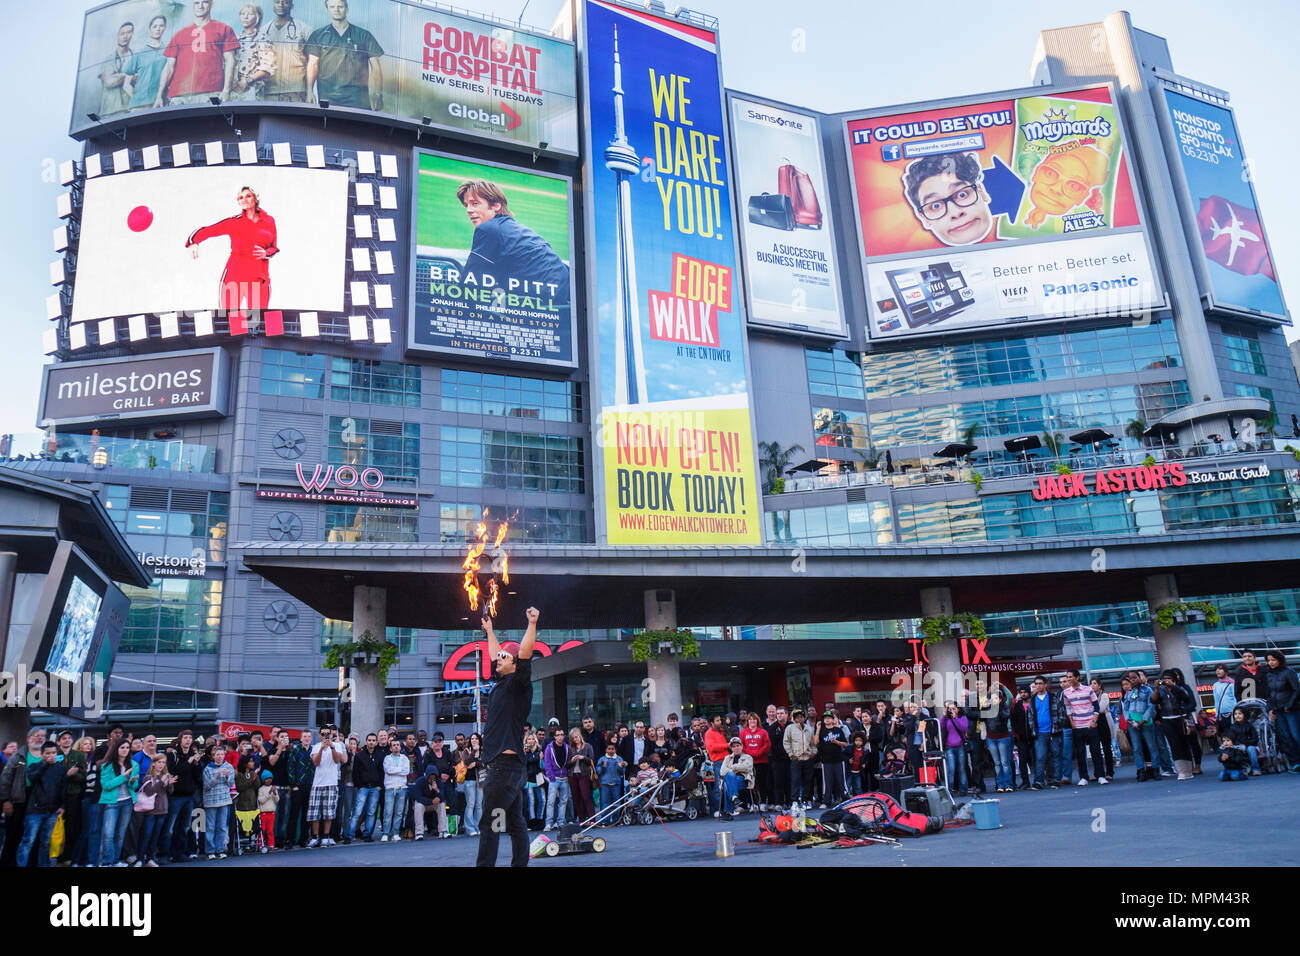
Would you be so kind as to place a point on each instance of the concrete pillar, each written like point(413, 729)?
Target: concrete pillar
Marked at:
point(1172, 649)
point(945, 656)
point(663, 690)
point(369, 613)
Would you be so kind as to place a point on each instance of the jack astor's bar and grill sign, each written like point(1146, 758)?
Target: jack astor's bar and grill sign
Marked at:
point(1126, 480)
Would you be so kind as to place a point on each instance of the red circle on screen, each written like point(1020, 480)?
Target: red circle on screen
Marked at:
point(139, 219)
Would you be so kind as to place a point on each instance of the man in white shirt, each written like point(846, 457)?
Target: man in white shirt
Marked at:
point(327, 757)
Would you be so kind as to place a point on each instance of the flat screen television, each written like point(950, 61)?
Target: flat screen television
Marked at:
point(930, 293)
point(76, 629)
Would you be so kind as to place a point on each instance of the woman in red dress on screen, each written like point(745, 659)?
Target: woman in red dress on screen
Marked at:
point(246, 281)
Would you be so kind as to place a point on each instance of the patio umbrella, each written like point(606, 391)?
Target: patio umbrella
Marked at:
point(1090, 436)
point(889, 463)
point(1022, 444)
point(957, 449)
point(812, 465)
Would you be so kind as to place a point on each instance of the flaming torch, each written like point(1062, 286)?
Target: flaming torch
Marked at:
point(499, 568)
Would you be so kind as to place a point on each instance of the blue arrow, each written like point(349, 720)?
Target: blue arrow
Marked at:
point(1005, 189)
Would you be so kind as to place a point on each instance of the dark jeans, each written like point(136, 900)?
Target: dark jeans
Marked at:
point(1087, 737)
point(298, 831)
point(1176, 737)
point(975, 779)
point(503, 797)
point(1025, 749)
point(801, 776)
point(781, 782)
point(175, 838)
point(71, 826)
point(13, 835)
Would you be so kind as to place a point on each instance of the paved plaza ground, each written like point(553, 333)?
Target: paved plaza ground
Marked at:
point(1125, 824)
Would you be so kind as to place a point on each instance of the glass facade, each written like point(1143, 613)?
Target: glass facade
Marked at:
point(342, 379)
point(457, 523)
point(179, 523)
point(350, 523)
point(1244, 355)
point(173, 616)
point(1110, 408)
point(1011, 361)
point(863, 524)
point(511, 396)
point(491, 458)
point(392, 447)
point(340, 632)
point(835, 373)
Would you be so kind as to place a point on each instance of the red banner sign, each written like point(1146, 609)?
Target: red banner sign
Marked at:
point(453, 670)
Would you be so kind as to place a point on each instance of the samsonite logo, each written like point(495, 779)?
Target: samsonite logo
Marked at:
point(507, 119)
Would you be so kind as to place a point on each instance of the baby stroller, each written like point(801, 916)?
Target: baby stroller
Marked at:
point(1256, 710)
point(678, 796)
point(250, 833)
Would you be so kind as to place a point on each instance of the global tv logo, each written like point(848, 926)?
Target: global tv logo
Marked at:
point(507, 119)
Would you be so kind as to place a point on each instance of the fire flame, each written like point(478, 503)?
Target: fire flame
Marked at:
point(472, 566)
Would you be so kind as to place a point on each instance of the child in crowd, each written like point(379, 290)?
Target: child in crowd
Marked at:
point(267, 798)
point(895, 764)
point(609, 769)
point(1235, 760)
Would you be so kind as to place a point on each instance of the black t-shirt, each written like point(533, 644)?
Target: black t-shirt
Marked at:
point(831, 752)
point(508, 706)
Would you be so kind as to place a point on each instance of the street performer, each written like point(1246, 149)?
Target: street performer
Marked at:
point(501, 767)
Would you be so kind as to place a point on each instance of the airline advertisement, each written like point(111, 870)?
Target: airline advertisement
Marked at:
point(973, 214)
point(1219, 208)
point(667, 318)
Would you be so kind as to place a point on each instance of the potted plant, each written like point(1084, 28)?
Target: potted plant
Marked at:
point(651, 644)
point(366, 652)
point(773, 460)
point(977, 480)
point(961, 624)
point(1173, 613)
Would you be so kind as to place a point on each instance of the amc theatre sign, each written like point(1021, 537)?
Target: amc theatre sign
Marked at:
point(188, 384)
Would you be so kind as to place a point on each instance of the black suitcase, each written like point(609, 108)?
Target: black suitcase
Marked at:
point(773, 210)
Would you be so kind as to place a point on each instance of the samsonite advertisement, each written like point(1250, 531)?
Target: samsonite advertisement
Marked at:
point(787, 237)
point(491, 274)
point(1219, 208)
point(425, 67)
point(979, 213)
point(667, 327)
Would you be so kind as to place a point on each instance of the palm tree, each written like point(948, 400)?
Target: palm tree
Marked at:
point(774, 459)
point(1052, 441)
point(971, 432)
point(1136, 429)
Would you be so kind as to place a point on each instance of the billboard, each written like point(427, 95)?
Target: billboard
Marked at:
point(787, 237)
point(422, 66)
point(181, 240)
point(667, 327)
point(1217, 200)
point(980, 213)
point(492, 274)
point(186, 384)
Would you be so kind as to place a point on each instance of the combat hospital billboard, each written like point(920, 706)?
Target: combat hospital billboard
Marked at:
point(667, 325)
point(492, 276)
point(975, 214)
point(788, 237)
point(1216, 196)
point(397, 59)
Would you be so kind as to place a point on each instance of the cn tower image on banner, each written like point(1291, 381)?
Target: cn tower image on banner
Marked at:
point(622, 160)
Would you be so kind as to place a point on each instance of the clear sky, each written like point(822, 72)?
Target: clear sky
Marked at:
point(854, 55)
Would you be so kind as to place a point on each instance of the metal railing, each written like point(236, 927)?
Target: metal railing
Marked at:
point(940, 471)
point(143, 454)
